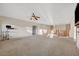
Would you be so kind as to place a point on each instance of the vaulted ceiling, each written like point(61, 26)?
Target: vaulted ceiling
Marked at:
point(49, 13)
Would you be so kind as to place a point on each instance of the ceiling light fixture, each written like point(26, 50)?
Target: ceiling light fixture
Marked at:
point(34, 17)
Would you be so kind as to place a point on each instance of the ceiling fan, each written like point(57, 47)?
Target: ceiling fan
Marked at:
point(34, 17)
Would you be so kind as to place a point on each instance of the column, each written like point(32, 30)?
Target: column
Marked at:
point(34, 30)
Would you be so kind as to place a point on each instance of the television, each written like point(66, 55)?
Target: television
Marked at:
point(77, 13)
point(8, 26)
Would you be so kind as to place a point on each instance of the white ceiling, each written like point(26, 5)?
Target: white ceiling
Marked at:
point(50, 13)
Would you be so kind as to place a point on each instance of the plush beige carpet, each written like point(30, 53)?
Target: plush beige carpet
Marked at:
point(38, 46)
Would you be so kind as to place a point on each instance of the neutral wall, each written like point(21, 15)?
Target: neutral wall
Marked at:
point(18, 32)
point(72, 25)
point(75, 33)
point(77, 38)
point(22, 28)
point(0, 28)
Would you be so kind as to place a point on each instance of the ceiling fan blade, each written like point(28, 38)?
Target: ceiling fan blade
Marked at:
point(37, 17)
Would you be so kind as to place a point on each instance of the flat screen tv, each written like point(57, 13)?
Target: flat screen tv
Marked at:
point(77, 13)
point(8, 26)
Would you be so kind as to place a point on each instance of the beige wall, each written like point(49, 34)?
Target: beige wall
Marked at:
point(72, 25)
point(77, 38)
point(20, 26)
point(21, 23)
point(0, 28)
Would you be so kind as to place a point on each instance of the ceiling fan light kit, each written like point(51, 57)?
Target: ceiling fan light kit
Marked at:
point(34, 17)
